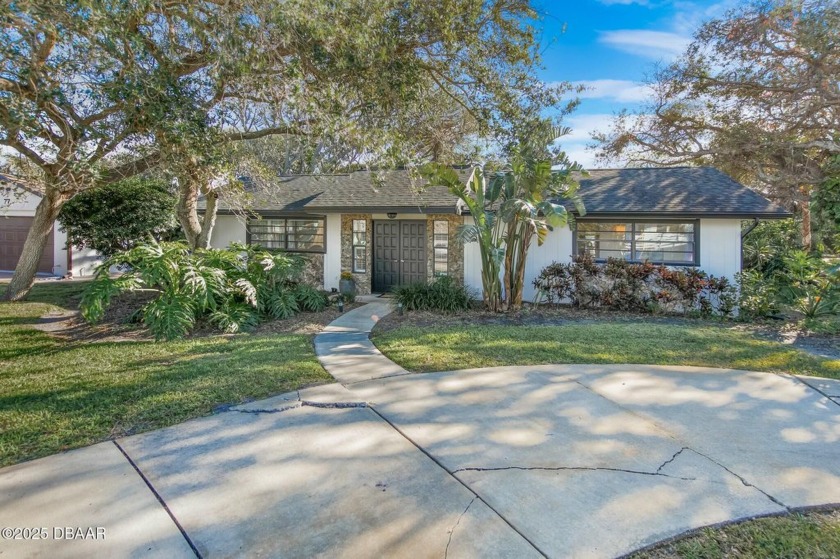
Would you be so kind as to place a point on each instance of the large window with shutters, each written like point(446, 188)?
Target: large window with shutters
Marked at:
point(289, 234)
point(661, 242)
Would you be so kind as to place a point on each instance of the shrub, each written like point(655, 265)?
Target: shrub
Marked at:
point(798, 282)
point(769, 242)
point(310, 299)
point(233, 289)
point(759, 297)
point(631, 286)
point(809, 286)
point(444, 295)
point(116, 217)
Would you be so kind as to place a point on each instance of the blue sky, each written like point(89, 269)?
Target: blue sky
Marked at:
point(611, 46)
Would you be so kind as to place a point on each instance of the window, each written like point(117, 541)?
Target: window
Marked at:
point(660, 242)
point(441, 247)
point(359, 245)
point(290, 234)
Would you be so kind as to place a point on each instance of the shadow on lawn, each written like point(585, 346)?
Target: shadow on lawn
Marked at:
point(66, 395)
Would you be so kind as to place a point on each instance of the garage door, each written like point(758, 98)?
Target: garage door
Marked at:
point(13, 231)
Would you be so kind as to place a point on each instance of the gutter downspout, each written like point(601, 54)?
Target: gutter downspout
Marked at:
point(744, 236)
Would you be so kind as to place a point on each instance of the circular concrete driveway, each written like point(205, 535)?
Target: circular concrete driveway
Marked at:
point(554, 460)
point(601, 460)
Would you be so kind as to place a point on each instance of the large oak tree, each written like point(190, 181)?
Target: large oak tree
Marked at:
point(92, 92)
point(757, 94)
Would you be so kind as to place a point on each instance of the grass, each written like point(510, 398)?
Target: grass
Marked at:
point(425, 350)
point(795, 536)
point(57, 394)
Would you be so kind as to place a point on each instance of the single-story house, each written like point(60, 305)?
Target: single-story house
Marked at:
point(17, 210)
point(388, 229)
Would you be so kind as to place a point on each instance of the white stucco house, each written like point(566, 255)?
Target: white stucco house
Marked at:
point(388, 229)
point(17, 209)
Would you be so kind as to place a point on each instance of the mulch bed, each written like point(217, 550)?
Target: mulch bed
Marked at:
point(120, 323)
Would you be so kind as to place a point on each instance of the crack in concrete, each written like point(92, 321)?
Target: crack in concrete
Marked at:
point(272, 410)
point(571, 468)
point(457, 479)
point(671, 459)
point(742, 480)
point(452, 531)
point(334, 405)
point(302, 404)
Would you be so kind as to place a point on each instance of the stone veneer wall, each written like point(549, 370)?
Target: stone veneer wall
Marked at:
point(313, 271)
point(363, 280)
point(455, 264)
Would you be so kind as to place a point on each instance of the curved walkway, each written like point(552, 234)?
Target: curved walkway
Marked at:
point(557, 461)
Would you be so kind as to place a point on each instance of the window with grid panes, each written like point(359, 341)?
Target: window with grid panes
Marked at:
point(441, 248)
point(289, 234)
point(666, 242)
point(359, 245)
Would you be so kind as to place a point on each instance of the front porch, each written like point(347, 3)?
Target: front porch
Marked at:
point(385, 250)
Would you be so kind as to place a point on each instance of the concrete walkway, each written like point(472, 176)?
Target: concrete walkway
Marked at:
point(557, 461)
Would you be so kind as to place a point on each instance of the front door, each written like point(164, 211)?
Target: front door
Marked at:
point(399, 253)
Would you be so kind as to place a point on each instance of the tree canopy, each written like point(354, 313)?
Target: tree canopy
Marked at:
point(757, 94)
point(95, 92)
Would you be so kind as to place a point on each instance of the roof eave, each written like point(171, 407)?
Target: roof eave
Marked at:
point(386, 209)
point(694, 215)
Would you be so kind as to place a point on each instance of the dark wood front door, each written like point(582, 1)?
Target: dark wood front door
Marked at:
point(399, 253)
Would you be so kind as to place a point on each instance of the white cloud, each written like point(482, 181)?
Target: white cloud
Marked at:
point(583, 125)
point(691, 15)
point(650, 44)
point(576, 144)
point(579, 153)
point(625, 91)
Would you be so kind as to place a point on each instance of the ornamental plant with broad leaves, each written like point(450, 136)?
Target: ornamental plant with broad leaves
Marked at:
point(637, 287)
point(232, 289)
point(512, 205)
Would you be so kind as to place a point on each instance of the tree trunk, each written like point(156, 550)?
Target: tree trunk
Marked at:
point(807, 240)
point(511, 239)
point(518, 281)
point(187, 209)
point(209, 220)
point(33, 248)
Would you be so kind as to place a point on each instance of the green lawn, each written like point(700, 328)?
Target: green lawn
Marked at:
point(447, 348)
point(56, 395)
point(795, 536)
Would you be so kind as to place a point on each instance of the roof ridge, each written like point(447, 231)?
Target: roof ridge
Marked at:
point(651, 168)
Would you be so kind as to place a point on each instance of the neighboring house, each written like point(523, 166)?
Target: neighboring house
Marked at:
point(17, 209)
point(387, 229)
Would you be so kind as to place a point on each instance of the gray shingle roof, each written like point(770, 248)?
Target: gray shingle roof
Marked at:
point(394, 190)
point(684, 191)
point(691, 191)
point(386, 189)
